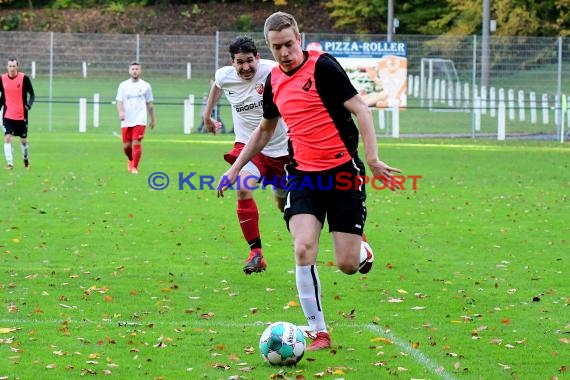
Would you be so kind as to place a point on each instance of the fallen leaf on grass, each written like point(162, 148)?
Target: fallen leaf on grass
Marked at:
point(350, 315)
point(7, 330)
point(221, 366)
point(381, 339)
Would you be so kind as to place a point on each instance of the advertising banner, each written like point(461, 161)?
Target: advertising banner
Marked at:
point(377, 69)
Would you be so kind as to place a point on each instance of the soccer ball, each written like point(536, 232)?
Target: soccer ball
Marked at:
point(282, 343)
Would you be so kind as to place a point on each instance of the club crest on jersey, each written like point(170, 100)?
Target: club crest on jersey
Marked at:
point(308, 84)
point(259, 88)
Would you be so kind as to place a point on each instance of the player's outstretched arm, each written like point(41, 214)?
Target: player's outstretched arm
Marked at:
point(358, 107)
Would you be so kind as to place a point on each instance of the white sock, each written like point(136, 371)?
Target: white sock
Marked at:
point(25, 148)
point(309, 289)
point(8, 153)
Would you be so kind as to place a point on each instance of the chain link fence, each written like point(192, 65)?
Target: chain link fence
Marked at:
point(450, 91)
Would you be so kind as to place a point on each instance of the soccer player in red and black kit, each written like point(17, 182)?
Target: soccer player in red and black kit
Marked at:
point(17, 99)
point(313, 94)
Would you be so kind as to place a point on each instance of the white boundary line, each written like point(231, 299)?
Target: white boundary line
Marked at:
point(420, 358)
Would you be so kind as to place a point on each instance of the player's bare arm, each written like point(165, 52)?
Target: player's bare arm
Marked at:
point(150, 110)
point(259, 138)
point(121, 110)
point(358, 107)
point(211, 124)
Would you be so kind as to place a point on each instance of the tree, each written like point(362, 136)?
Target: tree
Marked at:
point(370, 16)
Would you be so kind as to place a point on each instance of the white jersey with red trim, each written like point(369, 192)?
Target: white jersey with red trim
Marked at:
point(135, 96)
point(246, 100)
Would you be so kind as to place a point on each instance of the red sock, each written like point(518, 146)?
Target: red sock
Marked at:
point(248, 217)
point(137, 153)
point(128, 152)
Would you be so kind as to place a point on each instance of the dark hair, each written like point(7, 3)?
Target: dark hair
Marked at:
point(12, 58)
point(242, 45)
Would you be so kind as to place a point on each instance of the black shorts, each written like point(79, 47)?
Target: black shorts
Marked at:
point(337, 194)
point(16, 128)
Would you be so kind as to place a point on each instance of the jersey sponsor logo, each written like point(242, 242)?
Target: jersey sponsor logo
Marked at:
point(259, 88)
point(249, 106)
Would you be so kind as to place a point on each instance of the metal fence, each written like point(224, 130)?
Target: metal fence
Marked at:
point(523, 85)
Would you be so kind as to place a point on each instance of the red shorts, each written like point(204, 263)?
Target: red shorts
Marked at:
point(272, 169)
point(133, 133)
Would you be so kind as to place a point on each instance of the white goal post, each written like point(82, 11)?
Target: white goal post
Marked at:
point(439, 84)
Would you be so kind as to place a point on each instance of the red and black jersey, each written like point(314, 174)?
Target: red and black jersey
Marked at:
point(322, 133)
point(14, 96)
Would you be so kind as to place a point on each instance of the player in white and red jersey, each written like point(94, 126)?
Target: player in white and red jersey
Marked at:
point(243, 84)
point(134, 103)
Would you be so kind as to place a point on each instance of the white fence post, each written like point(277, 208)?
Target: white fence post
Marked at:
point(83, 115)
point(521, 106)
point(381, 119)
point(477, 110)
point(436, 88)
point(188, 114)
point(95, 110)
point(395, 120)
point(416, 86)
point(466, 97)
point(545, 109)
point(501, 121)
point(511, 97)
point(532, 106)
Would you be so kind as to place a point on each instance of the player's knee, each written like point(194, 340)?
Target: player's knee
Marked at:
point(305, 252)
point(347, 266)
point(244, 192)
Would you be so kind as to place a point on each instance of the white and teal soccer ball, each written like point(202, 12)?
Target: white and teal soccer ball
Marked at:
point(282, 343)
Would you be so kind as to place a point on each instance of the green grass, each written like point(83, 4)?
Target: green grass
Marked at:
point(100, 275)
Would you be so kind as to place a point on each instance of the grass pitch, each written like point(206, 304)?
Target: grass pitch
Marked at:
point(101, 275)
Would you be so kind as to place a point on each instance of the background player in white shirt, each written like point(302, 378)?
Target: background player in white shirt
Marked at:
point(243, 83)
point(134, 103)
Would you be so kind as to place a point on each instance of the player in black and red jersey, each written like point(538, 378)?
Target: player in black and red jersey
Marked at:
point(17, 99)
point(313, 94)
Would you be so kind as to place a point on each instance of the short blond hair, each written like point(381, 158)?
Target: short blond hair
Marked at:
point(279, 21)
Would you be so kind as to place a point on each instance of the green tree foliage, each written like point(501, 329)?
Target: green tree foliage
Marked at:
point(513, 17)
point(432, 17)
point(371, 16)
point(454, 17)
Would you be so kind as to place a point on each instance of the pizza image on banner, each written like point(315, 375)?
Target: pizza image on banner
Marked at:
point(377, 69)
